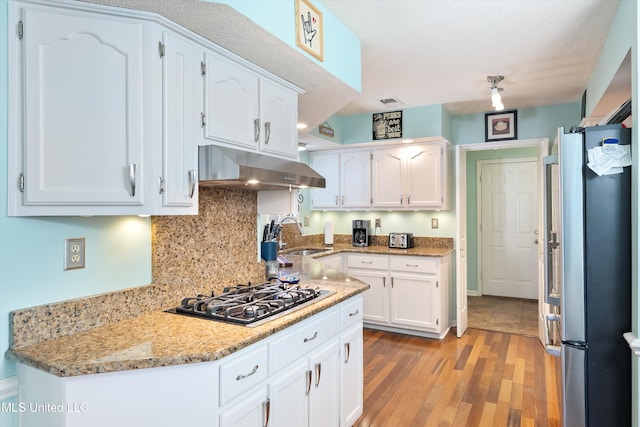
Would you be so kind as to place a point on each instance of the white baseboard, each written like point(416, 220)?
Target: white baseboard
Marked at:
point(472, 293)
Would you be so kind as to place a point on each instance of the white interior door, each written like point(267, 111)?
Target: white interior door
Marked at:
point(508, 228)
point(461, 239)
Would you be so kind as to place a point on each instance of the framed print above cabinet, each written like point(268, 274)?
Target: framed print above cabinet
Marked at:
point(309, 32)
point(501, 126)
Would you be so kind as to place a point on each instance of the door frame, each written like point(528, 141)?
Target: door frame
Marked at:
point(479, 189)
point(461, 226)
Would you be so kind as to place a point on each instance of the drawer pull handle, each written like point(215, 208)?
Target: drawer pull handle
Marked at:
point(367, 262)
point(355, 313)
point(243, 376)
point(315, 335)
point(347, 352)
point(412, 265)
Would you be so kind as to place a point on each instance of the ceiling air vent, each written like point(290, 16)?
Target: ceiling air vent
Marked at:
point(388, 101)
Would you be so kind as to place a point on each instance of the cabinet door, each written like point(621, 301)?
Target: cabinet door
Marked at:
point(83, 115)
point(355, 179)
point(424, 176)
point(178, 183)
point(250, 411)
point(231, 102)
point(324, 397)
point(376, 298)
point(387, 178)
point(327, 165)
point(351, 380)
point(289, 395)
point(332, 261)
point(414, 301)
point(279, 119)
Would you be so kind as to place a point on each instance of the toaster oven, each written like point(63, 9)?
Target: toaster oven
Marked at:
point(401, 240)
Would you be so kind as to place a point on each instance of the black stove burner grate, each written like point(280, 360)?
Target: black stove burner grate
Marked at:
point(248, 304)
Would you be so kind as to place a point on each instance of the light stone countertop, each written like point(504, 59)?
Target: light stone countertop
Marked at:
point(158, 338)
point(377, 250)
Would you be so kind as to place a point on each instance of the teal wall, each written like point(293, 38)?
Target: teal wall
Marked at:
point(341, 46)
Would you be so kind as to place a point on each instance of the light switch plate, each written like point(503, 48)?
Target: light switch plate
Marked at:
point(74, 253)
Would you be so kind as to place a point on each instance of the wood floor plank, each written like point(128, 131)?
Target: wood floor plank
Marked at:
point(481, 379)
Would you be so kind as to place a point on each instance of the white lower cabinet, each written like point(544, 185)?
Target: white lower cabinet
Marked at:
point(307, 375)
point(406, 294)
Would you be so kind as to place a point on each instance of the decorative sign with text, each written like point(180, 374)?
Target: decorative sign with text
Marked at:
point(387, 125)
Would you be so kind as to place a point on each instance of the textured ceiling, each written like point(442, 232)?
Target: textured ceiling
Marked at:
point(425, 52)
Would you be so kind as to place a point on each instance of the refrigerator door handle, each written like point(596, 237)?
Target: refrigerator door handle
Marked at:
point(552, 334)
point(550, 237)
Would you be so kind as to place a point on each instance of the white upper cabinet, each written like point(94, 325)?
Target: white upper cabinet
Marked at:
point(279, 123)
point(411, 177)
point(248, 110)
point(231, 102)
point(78, 78)
point(176, 181)
point(348, 180)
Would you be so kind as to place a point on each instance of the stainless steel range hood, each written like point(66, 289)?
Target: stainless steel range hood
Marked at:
point(227, 167)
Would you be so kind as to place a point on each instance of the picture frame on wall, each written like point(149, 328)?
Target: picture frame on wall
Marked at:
point(501, 126)
point(309, 28)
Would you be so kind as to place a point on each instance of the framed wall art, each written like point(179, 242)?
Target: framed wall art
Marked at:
point(309, 32)
point(501, 126)
point(387, 125)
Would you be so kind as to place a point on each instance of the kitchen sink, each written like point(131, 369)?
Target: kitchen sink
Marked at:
point(305, 252)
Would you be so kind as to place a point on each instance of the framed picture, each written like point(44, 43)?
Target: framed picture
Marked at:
point(309, 32)
point(501, 126)
point(387, 125)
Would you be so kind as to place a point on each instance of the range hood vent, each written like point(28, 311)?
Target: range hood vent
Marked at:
point(227, 167)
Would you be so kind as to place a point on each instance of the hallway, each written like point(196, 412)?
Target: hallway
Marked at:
point(511, 315)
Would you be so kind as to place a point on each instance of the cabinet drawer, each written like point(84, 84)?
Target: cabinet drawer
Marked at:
point(305, 338)
point(368, 261)
point(414, 265)
point(351, 313)
point(242, 372)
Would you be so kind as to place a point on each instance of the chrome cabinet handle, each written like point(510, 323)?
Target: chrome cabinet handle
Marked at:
point(161, 187)
point(266, 411)
point(412, 265)
point(347, 352)
point(384, 281)
point(342, 200)
point(400, 198)
point(336, 200)
point(318, 373)
point(132, 178)
point(256, 129)
point(392, 282)
point(192, 182)
point(243, 376)
point(267, 132)
point(366, 262)
point(203, 121)
point(355, 313)
point(408, 199)
point(315, 335)
point(308, 374)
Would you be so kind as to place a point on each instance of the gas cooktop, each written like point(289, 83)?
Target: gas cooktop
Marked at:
point(251, 305)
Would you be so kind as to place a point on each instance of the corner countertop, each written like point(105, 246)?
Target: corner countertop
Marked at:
point(158, 338)
point(378, 250)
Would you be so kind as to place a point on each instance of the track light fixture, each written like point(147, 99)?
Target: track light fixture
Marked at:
point(496, 99)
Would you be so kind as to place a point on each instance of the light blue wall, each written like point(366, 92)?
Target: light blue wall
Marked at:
point(118, 250)
point(341, 46)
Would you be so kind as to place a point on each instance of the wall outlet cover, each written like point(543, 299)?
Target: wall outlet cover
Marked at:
point(74, 253)
point(434, 222)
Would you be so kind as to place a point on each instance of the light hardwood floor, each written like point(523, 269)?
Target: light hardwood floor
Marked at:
point(484, 378)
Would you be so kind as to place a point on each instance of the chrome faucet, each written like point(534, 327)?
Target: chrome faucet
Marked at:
point(288, 218)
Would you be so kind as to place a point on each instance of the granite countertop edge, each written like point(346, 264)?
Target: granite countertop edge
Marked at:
point(153, 339)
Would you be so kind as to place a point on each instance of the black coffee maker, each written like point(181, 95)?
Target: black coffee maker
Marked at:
point(360, 232)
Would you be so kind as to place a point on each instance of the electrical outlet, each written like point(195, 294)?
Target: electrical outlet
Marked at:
point(74, 253)
point(434, 222)
point(378, 223)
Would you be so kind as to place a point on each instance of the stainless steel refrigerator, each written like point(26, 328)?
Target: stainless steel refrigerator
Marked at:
point(588, 278)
